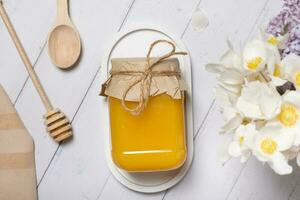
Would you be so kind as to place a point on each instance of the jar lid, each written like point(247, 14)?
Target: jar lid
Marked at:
point(127, 72)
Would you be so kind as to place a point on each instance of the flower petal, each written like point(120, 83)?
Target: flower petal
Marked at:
point(222, 150)
point(214, 68)
point(297, 137)
point(248, 109)
point(270, 104)
point(229, 113)
point(224, 98)
point(280, 165)
point(199, 20)
point(298, 159)
point(245, 157)
point(234, 149)
point(283, 137)
point(230, 88)
point(292, 97)
point(290, 62)
point(231, 77)
point(256, 51)
point(259, 101)
point(277, 81)
point(231, 124)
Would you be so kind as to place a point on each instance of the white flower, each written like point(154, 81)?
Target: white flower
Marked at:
point(230, 81)
point(255, 55)
point(258, 104)
point(259, 101)
point(273, 44)
point(243, 141)
point(275, 68)
point(288, 118)
point(268, 147)
point(271, 40)
point(274, 64)
point(291, 67)
point(227, 101)
point(230, 60)
point(224, 97)
point(229, 70)
point(276, 41)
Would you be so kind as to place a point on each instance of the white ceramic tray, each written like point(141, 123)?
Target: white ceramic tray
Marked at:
point(135, 42)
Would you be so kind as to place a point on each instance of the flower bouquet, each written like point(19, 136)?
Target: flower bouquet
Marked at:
point(258, 92)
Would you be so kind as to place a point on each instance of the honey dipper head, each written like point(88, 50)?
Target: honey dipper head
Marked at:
point(58, 125)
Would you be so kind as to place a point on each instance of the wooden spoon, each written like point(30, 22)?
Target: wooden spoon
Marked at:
point(64, 46)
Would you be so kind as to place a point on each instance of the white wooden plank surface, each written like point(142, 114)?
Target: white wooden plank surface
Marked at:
point(87, 170)
point(65, 86)
point(135, 13)
point(77, 169)
point(33, 22)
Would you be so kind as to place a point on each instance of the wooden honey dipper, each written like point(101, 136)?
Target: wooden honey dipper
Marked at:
point(58, 125)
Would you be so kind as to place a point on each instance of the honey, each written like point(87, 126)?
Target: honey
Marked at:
point(151, 141)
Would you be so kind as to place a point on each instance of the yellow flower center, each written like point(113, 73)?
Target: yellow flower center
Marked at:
point(288, 115)
point(272, 40)
point(241, 140)
point(297, 79)
point(277, 70)
point(254, 63)
point(268, 146)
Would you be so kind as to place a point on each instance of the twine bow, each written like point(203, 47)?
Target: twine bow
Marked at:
point(145, 77)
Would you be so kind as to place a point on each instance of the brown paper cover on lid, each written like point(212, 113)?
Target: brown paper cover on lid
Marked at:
point(166, 78)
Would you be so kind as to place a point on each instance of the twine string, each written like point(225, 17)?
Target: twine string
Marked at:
point(145, 77)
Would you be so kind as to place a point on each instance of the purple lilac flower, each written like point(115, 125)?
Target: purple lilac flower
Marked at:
point(288, 21)
point(293, 43)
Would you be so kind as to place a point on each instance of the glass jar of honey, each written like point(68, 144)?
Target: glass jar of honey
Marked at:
point(154, 139)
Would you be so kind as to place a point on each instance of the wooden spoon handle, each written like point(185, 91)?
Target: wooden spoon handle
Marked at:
point(63, 10)
point(25, 59)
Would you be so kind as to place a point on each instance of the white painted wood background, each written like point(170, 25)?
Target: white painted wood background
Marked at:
point(77, 169)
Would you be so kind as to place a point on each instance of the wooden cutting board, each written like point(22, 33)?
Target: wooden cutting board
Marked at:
point(17, 168)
